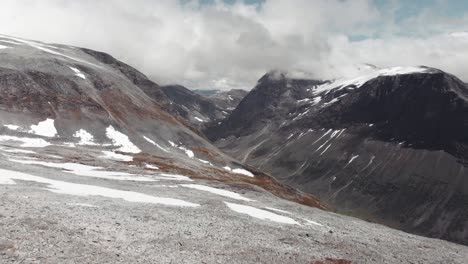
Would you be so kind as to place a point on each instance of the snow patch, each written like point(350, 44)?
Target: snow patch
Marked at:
point(260, 214)
point(152, 167)
point(12, 127)
point(83, 205)
point(27, 142)
point(78, 73)
point(243, 172)
point(45, 128)
point(217, 191)
point(352, 159)
point(156, 144)
point(310, 222)
point(187, 151)
point(121, 140)
point(85, 137)
point(173, 177)
point(87, 171)
point(277, 210)
point(62, 187)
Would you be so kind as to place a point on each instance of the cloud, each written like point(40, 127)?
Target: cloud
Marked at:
point(231, 45)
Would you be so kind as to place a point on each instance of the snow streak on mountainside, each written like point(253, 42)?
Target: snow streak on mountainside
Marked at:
point(389, 146)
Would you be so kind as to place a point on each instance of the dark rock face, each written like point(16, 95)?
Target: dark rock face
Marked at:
point(269, 102)
point(389, 148)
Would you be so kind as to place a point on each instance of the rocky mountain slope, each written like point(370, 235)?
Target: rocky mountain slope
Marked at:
point(388, 146)
point(228, 100)
point(200, 108)
point(95, 167)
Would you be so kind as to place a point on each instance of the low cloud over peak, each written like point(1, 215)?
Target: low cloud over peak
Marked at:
point(226, 46)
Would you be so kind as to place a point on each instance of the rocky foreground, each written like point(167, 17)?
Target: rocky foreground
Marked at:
point(56, 211)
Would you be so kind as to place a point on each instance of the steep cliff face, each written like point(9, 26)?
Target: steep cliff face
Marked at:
point(389, 146)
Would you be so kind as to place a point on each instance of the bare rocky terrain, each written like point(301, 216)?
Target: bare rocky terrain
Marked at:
point(43, 224)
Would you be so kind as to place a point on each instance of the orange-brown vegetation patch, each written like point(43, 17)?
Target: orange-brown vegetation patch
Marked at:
point(260, 181)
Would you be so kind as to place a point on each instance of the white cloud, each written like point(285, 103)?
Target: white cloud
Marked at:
point(231, 46)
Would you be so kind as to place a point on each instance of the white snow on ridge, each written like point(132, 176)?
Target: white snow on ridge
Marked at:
point(401, 70)
point(121, 140)
point(360, 80)
point(45, 128)
point(261, 214)
point(217, 191)
point(46, 48)
point(62, 187)
point(3, 47)
point(78, 73)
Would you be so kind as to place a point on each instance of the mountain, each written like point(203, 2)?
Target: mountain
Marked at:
point(198, 110)
point(194, 108)
point(96, 166)
point(228, 100)
point(388, 146)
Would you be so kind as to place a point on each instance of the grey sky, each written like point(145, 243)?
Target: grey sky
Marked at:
point(221, 45)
